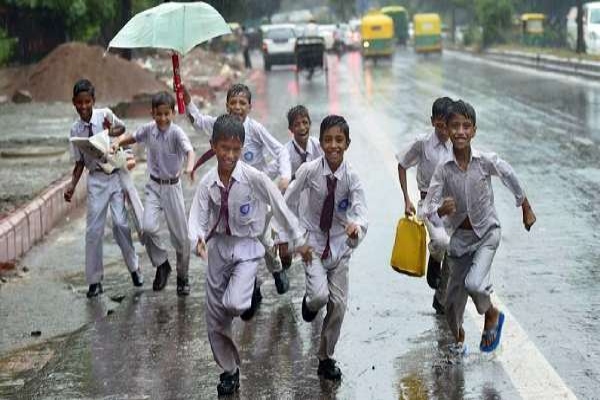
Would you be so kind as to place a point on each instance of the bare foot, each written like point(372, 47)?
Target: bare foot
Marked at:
point(491, 320)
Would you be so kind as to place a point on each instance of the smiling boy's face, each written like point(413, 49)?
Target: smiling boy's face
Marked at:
point(334, 145)
point(162, 115)
point(301, 128)
point(238, 106)
point(461, 131)
point(227, 151)
point(84, 104)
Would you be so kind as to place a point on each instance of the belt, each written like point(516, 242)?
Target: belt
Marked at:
point(171, 181)
point(423, 195)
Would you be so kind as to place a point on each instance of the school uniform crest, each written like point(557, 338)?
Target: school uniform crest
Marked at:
point(245, 209)
point(343, 205)
point(248, 156)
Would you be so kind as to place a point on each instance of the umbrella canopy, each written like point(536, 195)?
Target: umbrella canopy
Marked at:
point(174, 26)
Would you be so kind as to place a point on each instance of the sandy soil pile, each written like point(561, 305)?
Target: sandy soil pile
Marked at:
point(115, 78)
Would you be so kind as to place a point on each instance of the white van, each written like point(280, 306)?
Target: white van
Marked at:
point(591, 27)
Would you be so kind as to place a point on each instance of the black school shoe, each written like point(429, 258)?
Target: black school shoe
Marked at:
point(94, 290)
point(439, 308)
point(256, 299)
point(282, 283)
point(162, 274)
point(308, 315)
point(328, 370)
point(228, 383)
point(183, 286)
point(137, 278)
point(434, 273)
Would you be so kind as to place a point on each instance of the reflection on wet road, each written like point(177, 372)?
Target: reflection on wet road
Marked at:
point(392, 345)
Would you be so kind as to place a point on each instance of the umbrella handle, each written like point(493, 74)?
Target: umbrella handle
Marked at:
point(177, 82)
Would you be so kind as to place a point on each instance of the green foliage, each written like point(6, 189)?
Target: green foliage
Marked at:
point(494, 16)
point(6, 47)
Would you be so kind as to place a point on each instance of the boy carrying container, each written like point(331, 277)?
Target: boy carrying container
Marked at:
point(335, 218)
point(167, 146)
point(239, 103)
point(226, 222)
point(103, 190)
point(461, 191)
point(425, 153)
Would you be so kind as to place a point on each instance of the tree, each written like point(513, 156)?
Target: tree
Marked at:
point(494, 16)
point(580, 42)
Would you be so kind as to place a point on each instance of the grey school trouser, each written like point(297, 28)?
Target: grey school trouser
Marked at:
point(168, 199)
point(470, 261)
point(327, 284)
point(232, 267)
point(103, 191)
point(438, 245)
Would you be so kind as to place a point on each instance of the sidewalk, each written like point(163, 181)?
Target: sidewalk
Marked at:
point(573, 66)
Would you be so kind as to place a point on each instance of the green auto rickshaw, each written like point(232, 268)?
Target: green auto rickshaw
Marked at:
point(532, 28)
point(377, 32)
point(400, 17)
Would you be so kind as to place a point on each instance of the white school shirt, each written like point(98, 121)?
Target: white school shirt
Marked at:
point(313, 151)
point(166, 151)
point(426, 152)
point(349, 204)
point(471, 190)
point(250, 194)
point(81, 128)
point(257, 139)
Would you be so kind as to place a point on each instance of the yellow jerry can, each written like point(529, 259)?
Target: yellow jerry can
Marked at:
point(408, 255)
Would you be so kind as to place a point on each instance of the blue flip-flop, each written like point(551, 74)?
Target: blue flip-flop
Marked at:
point(487, 334)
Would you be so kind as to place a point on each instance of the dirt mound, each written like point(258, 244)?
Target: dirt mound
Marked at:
point(115, 78)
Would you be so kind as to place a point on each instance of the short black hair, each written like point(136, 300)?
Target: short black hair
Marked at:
point(84, 85)
point(296, 112)
point(163, 99)
point(440, 107)
point(237, 89)
point(226, 127)
point(463, 108)
point(334, 120)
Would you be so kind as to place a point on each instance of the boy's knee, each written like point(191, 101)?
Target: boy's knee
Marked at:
point(318, 300)
point(474, 285)
point(235, 307)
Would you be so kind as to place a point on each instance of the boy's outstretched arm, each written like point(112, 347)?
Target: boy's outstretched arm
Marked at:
point(200, 122)
point(189, 168)
point(409, 207)
point(198, 221)
point(528, 214)
point(123, 140)
point(70, 189)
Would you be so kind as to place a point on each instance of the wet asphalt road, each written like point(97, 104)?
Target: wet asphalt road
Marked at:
point(153, 345)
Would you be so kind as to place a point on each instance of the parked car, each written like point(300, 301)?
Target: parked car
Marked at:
point(278, 45)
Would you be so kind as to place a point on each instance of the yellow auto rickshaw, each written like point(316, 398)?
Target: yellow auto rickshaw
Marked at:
point(532, 29)
point(377, 31)
point(428, 33)
point(400, 17)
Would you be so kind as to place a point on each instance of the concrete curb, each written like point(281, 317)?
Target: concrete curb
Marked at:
point(26, 226)
point(544, 62)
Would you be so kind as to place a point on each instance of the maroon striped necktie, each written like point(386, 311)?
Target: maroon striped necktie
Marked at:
point(300, 153)
point(327, 212)
point(223, 210)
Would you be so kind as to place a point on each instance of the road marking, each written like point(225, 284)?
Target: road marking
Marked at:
point(529, 371)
